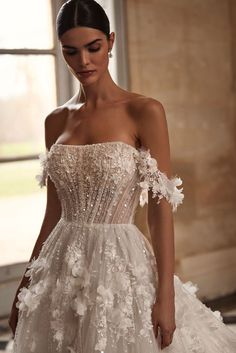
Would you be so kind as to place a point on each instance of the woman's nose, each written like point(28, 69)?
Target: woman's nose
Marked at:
point(83, 58)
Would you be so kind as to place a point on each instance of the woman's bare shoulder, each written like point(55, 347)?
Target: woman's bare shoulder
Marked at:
point(55, 115)
point(54, 124)
point(145, 108)
point(61, 112)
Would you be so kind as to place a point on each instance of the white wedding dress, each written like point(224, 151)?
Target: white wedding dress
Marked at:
point(93, 284)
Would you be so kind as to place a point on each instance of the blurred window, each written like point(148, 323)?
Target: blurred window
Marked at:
point(28, 92)
point(34, 81)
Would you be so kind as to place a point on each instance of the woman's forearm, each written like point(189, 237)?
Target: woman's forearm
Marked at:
point(161, 229)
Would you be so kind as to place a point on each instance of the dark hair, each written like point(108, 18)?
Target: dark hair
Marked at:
point(86, 13)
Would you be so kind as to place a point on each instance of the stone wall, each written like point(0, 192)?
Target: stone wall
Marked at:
point(183, 53)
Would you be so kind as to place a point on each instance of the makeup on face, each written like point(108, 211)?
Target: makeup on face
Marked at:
point(92, 46)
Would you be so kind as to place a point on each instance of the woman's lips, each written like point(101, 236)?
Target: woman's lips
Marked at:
point(85, 73)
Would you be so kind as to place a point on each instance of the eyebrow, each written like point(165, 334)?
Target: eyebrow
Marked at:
point(86, 45)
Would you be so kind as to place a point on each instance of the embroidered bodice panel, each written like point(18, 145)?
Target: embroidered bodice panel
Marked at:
point(104, 182)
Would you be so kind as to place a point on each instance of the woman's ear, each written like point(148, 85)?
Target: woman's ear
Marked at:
point(111, 40)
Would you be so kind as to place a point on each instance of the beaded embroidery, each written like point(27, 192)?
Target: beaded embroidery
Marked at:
point(95, 279)
point(151, 177)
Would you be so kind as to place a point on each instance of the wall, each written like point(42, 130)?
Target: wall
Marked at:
point(183, 54)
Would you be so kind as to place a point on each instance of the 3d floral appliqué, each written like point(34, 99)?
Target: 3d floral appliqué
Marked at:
point(36, 265)
point(29, 298)
point(161, 186)
point(42, 176)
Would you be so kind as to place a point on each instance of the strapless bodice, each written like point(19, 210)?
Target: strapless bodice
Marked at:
point(102, 182)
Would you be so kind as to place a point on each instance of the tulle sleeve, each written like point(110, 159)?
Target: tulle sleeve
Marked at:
point(42, 176)
point(151, 178)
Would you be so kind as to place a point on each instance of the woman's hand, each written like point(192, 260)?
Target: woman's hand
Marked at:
point(163, 317)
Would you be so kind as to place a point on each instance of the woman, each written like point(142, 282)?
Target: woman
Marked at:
point(93, 283)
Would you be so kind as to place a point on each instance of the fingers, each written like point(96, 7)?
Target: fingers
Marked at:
point(166, 339)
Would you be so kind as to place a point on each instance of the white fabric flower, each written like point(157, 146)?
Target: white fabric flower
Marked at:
point(56, 313)
point(42, 176)
point(29, 297)
point(26, 299)
point(152, 163)
point(161, 186)
point(105, 295)
point(35, 266)
point(143, 197)
point(191, 288)
point(144, 192)
point(217, 314)
point(79, 305)
point(58, 336)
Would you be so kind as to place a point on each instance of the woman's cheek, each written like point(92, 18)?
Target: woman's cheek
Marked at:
point(102, 61)
point(72, 65)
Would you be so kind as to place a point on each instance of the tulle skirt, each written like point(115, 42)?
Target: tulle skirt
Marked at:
point(92, 289)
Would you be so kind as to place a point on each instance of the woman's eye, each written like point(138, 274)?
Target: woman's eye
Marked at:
point(70, 53)
point(94, 49)
point(73, 52)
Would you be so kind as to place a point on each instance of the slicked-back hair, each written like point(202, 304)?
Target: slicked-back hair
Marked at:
point(83, 13)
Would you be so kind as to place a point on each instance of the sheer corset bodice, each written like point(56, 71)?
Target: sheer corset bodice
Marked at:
point(96, 183)
point(104, 182)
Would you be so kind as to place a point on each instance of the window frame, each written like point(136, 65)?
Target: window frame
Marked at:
point(66, 84)
point(63, 91)
point(62, 75)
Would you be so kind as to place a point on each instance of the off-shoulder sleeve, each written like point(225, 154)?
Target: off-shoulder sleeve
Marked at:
point(42, 176)
point(156, 181)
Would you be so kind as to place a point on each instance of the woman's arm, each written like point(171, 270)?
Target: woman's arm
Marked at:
point(51, 218)
point(153, 134)
point(53, 206)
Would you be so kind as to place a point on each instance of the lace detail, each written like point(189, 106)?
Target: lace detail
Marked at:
point(95, 183)
point(114, 299)
point(155, 180)
point(95, 278)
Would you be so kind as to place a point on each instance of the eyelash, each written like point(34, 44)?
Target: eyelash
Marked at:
point(92, 50)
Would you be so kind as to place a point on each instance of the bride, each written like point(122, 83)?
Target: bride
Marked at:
point(127, 125)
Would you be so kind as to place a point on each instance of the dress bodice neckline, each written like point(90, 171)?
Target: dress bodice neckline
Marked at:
point(95, 144)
